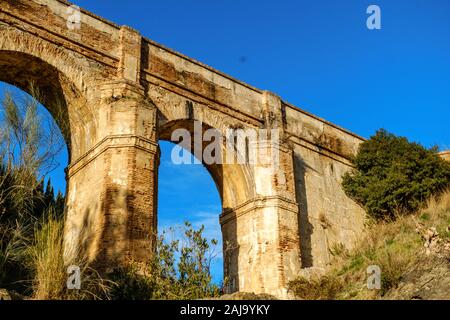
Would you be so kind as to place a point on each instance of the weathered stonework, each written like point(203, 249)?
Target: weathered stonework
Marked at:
point(115, 94)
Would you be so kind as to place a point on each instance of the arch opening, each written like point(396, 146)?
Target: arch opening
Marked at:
point(59, 102)
point(40, 80)
point(187, 193)
point(233, 180)
point(57, 93)
point(232, 184)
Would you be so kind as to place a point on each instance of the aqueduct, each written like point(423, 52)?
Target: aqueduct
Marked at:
point(115, 94)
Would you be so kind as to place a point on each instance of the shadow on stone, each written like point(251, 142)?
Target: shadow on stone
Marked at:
point(306, 228)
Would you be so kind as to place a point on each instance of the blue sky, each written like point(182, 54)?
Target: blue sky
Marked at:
point(318, 55)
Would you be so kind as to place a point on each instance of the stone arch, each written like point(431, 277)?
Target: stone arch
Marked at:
point(27, 61)
point(68, 93)
point(234, 181)
point(72, 67)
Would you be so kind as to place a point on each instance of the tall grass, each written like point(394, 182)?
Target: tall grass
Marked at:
point(13, 240)
point(50, 272)
point(46, 259)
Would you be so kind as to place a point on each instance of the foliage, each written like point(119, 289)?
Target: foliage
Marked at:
point(13, 272)
point(393, 175)
point(178, 270)
point(29, 144)
point(46, 262)
point(27, 150)
point(321, 288)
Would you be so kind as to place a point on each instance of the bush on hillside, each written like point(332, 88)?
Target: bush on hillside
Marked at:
point(394, 175)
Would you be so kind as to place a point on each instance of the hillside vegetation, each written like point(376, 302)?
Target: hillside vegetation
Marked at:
point(392, 174)
point(405, 190)
point(406, 250)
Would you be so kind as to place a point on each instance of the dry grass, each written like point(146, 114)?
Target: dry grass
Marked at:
point(395, 246)
point(324, 288)
point(45, 259)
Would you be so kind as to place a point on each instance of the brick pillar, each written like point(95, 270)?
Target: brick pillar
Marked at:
point(113, 187)
point(261, 237)
point(131, 167)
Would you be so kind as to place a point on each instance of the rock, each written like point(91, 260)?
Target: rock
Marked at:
point(427, 280)
point(433, 243)
point(312, 273)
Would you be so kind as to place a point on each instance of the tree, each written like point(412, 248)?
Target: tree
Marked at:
point(29, 144)
point(394, 175)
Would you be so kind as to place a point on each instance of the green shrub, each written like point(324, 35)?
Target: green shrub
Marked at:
point(178, 270)
point(320, 288)
point(394, 175)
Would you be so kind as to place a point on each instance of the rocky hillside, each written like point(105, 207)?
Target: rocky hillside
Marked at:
point(428, 279)
point(412, 252)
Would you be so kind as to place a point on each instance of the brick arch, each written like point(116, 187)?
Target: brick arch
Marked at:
point(234, 181)
point(73, 68)
point(68, 92)
point(28, 62)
